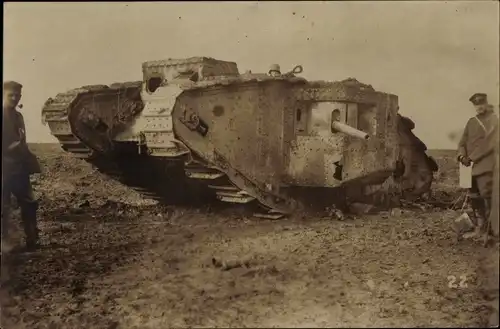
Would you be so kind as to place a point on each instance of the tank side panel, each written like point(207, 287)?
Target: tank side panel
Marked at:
point(313, 152)
point(192, 102)
point(289, 132)
point(272, 105)
point(224, 111)
point(375, 158)
point(233, 119)
point(245, 126)
point(312, 161)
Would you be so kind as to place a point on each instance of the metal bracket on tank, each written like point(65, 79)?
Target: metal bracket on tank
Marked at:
point(194, 123)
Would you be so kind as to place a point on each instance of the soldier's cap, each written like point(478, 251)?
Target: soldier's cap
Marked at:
point(274, 67)
point(12, 86)
point(478, 99)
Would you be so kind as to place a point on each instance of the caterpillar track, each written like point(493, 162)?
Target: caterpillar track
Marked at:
point(195, 129)
point(56, 114)
point(226, 191)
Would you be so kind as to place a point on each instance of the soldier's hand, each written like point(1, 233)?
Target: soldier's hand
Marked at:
point(465, 161)
point(22, 135)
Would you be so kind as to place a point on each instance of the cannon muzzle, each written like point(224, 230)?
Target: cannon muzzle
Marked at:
point(348, 130)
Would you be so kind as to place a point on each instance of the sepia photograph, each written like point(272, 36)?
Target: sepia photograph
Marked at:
point(292, 164)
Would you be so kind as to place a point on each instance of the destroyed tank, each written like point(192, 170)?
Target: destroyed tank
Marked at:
point(275, 140)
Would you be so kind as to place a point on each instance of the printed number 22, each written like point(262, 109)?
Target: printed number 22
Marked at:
point(452, 279)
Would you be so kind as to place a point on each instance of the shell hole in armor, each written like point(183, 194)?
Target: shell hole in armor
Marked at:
point(338, 170)
point(218, 110)
point(153, 84)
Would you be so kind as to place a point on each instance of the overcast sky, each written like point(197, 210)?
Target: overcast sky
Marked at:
point(433, 55)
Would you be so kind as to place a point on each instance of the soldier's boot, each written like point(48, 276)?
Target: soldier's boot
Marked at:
point(488, 231)
point(32, 237)
point(487, 212)
point(481, 208)
point(477, 205)
point(28, 215)
point(6, 246)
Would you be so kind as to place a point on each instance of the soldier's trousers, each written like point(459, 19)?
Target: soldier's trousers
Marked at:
point(19, 185)
point(481, 193)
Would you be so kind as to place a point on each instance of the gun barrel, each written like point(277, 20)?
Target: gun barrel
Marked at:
point(348, 130)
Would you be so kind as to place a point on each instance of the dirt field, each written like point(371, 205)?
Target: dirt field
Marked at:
point(111, 259)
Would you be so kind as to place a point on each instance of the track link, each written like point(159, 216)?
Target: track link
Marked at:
point(55, 113)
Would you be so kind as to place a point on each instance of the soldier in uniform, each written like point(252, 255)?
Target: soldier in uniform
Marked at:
point(494, 219)
point(491, 261)
point(18, 164)
point(476, 148)
point(274, 70)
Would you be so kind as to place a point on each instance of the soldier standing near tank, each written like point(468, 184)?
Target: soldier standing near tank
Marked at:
point(490, 262)
point(18, 164)
point(494, 219)
point(476, 148)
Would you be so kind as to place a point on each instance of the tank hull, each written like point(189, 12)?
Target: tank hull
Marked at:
point(245, 139)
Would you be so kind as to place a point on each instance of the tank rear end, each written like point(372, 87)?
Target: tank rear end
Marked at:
point(86, 119)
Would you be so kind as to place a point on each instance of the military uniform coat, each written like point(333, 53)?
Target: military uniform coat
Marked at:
point(20, 159)
point(494, 214)
point(478, 142)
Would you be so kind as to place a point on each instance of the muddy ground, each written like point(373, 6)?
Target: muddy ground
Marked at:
point(111, 259)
